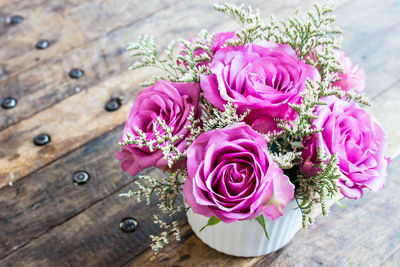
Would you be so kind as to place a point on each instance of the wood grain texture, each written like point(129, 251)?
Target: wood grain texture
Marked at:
point(371, 39)
point(91, 238)
point(48, 83)
point(49, 197)
point(190, 252)
point(69, 124)
point(66, 24)
point(385, 110)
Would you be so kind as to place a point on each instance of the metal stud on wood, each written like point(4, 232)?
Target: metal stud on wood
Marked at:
point(42, 44)
point(41, 139)
point(80, 177)
point(8, 102)
point(128, 225)
point(76, 73)
point(13, 20)
point(113, 104)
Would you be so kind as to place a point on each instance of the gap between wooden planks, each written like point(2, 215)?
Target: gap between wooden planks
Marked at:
point(371, 39)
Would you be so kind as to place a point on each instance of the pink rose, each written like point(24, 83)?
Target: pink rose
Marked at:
point(172, 102)
point(220, 40)
point(263, 78)
point(359, 142)
point(352, 77)
point(233, 177)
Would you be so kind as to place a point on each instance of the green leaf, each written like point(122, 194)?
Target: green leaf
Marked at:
point(261, 221)
point(212, 221)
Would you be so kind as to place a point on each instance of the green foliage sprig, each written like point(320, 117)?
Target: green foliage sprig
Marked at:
point(252, 28)
point(184, 67)
point(164, 141)
point(318, 185)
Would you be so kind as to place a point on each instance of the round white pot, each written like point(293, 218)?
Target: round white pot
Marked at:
point(247, 238)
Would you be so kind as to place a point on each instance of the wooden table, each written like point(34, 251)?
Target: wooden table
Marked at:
point(46, 219)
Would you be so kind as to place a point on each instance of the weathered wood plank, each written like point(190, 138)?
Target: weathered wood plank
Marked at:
point(47, 84)
point(362, 235)
point(92, 238)
point(20, 5)
point(190, 252)
point(371, 39)
point(70, 124)
point(49, 197)
point(385, 110)
point(66, 25)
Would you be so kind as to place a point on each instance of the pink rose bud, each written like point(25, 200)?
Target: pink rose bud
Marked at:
point(352, 77)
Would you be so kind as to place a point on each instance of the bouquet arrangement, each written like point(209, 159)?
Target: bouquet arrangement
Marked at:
point(245, 121)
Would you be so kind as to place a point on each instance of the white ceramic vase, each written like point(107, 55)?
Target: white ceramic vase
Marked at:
point(247, 238)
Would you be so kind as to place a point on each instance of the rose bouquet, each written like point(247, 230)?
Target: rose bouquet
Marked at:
point(248, 122)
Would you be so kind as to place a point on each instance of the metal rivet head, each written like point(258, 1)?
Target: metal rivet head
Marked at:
point(8, 102)
point(128, 225)
point(80, 177)
point(113, 104)
point(42, 44)
point(41, 139)
point(16, 19)
point(76, 73)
